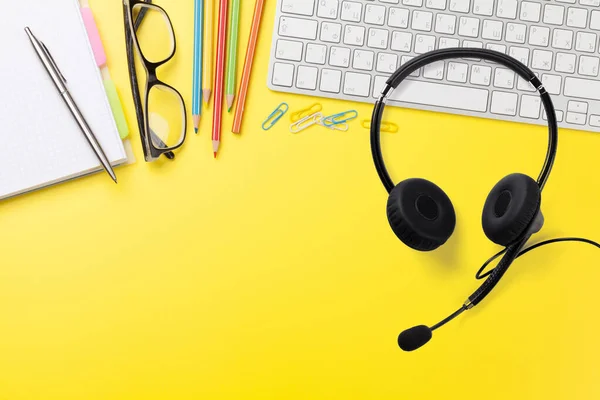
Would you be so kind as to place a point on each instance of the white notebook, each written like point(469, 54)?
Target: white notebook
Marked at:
point(40, 142)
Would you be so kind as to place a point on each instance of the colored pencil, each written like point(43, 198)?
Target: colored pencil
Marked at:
point(219, 74)
point(197, 78)
point(207, 59)
point(251, 49)
point(232, 48)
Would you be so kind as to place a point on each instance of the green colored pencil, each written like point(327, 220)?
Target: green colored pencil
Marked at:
point(232, 48)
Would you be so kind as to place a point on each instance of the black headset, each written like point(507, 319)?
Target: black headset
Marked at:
point(422, 215)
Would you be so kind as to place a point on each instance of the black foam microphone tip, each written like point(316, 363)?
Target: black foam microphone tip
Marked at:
point(415, 337)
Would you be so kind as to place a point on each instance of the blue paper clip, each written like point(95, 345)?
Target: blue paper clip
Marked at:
point(275, 116)
point(340, 118)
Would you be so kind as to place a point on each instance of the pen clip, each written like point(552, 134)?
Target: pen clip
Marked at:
point(64, 80)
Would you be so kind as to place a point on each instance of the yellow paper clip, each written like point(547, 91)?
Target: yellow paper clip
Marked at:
point(305, 112)
point(387, 127)
point(306, 122)
point(275, 116)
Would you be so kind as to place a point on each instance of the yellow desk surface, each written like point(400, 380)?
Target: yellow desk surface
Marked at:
point(271, 273)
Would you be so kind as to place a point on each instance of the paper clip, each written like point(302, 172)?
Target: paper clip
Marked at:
point(335, 127)
point(340, 118)
point(306, 122)
point(275, 116)
point(387, 127)
point(305, 112)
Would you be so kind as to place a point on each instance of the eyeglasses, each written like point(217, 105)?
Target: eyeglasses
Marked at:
point(155, 43)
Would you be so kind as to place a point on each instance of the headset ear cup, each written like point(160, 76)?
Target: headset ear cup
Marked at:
point(421, 214)
point(510, 208)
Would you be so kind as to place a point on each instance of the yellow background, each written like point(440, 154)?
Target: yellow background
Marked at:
point(271, 273)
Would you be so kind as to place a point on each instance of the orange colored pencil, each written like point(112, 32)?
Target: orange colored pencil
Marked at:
point(219, 74)
point(251, 49)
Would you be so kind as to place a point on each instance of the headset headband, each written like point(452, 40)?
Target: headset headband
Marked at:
point(438, 55)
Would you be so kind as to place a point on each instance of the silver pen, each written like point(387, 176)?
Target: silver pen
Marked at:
point(61, 85)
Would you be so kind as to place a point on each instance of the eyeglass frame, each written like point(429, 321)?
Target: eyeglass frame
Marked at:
point(151, 152)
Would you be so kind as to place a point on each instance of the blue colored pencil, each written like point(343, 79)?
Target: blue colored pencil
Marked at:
point(197, 78)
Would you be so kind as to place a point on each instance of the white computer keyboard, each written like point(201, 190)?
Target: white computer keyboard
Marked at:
point(346, 49)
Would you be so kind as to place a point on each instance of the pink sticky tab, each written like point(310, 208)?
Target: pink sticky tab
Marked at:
point(94, 36)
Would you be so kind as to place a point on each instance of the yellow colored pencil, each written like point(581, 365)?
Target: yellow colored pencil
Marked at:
point(207, 57)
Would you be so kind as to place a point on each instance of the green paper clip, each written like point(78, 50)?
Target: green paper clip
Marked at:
point(340, 118)
point(275, 116)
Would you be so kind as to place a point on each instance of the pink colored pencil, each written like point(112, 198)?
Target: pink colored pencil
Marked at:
point(219, 74)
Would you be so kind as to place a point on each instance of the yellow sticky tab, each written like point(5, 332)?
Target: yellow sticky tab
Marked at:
point(117, 108)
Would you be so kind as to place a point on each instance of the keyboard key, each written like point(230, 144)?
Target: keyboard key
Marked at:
point(520, 54)
point(374, 14)
point(331, 32)
point(595, 120)
point(593, 3)
point(496, 47)
point(552, 83)
point(421, 20)
point(442, 95)
point(530, 12)
point(378, 38)
point(577, 106)
point(576, 118)
point(354, 35)
point(401, 41)
point(468, 27)
point(414, 3)
point(583, 88)
point(316, 53)
point(588, 66)
point(504, 78)
point(577, 17)
point(562, 39)
point(351, 11)
point(283, 74)
point(363, 60)
point(328, 9)
point(504, 103)
point(492, 30)
point(330, 80)
point(446, 43)
point(507, 9)
point(530, 106)
point(398, 17)
point(515, 33)
point(288, 50)
point(434, 70)
point(307, 77)
point(525, 85)
point(298, 28)
point(445, 23)
point(339, 56)
point(406, 59)
point(457, 72)
point(586, 42)
point(553, 15)
point(424, 43)
point(483, 7)
point(304, 7)
point(539, 36)
point(436, 4)
point(356, 84)
point(559, 115)
point(595, 20)
point(480, 75)
point(378, 85)
point(461, 6)
point(387, 63)
point(565, 62)
point(541, 59)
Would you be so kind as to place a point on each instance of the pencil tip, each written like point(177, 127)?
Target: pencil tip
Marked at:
point(230, 98)
point(196, 130)
point(196, 122)
point(206, 95)
point(215, 154)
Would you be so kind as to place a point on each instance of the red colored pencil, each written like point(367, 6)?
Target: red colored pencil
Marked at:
point(239, 111)
point(219, 74)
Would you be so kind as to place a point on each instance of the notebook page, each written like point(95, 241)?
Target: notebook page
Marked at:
point(41, 143)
